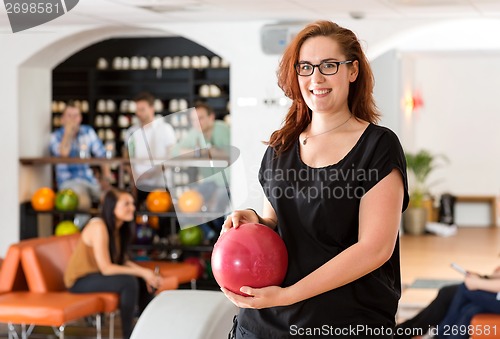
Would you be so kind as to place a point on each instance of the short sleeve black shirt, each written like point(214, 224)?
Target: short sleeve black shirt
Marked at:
point(318, 211)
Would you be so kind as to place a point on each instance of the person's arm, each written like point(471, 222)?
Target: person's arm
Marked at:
point(97, 149)
point(186, 144)
point(496, 273)
point(70, 132)
point(222, 140)
point(474, 282)
point(96, 235)
point(379, 220)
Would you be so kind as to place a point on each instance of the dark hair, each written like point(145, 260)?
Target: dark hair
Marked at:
point(360, 99)
point(71, 104)
point(207, 107)
point(145, 96)
point(108, 215)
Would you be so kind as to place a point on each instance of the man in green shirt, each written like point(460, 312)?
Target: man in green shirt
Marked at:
point(207, 132)
point(208, 138)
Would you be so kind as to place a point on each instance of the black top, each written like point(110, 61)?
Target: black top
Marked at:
point(318, 211)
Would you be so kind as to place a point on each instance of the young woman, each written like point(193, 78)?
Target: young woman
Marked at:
point(100, 263)
point(335, 186)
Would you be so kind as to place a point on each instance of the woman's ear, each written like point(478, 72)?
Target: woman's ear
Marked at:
point(354, 71)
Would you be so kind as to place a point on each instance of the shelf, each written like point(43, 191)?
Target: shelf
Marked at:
point(92, 211)
point(77, 78)
point(59, 160)
point(102, 83)
point(198, 248)
point(184, 215)
point(69, 83)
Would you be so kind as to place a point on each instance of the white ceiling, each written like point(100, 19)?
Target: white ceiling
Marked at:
point(164, 11)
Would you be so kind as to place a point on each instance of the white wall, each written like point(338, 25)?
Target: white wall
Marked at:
point(387, 92)
point(15, 50)
point(461, 119)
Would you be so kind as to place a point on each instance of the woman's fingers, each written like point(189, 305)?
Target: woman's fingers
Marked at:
point(238, 218)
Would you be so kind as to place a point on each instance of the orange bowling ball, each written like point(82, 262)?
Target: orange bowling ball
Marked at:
point(158, 201)
point(43, 199)
point(190, 201)
point(154, 222)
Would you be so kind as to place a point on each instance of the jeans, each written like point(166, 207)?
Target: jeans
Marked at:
point(432, 315)
point(465, 305)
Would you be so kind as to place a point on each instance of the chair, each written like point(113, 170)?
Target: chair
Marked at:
point(186, 314)
point(18, 305)
point(44, 262)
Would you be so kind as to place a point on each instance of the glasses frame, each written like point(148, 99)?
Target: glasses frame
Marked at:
point(338, 63)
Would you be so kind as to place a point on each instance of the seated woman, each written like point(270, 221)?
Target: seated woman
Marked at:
point(435, 313)
point(99, 262)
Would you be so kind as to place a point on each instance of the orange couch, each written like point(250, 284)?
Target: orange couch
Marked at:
point(31, 281)
point(18, 305)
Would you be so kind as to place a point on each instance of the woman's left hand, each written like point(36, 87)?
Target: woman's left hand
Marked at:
point(258, 297)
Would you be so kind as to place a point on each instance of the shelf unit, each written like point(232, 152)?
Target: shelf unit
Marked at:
point(81, 78)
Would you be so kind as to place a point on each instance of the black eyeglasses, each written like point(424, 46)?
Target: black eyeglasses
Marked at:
point(305, 69)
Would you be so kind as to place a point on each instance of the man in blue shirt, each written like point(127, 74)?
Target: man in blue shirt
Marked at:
point(74, 140)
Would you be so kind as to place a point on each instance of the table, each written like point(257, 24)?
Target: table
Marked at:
point(491, 200)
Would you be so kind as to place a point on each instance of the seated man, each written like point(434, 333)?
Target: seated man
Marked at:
point(74, 140)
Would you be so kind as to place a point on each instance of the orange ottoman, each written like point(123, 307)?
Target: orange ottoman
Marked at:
point(47, 309)
point(486, 325)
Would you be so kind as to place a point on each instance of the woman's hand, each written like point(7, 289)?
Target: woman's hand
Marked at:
point(473, 282)
point(153, 280)
point(238, 218)
point(259, 297)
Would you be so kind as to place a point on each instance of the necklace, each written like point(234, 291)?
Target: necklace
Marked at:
point(315, 135)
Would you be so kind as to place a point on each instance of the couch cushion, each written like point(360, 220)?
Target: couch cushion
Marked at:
point(11, 275)
point(45, 261)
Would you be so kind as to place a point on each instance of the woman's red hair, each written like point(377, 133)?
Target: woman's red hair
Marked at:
point(360, 99)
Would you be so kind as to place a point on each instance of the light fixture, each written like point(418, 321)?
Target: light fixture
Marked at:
point(412, 102)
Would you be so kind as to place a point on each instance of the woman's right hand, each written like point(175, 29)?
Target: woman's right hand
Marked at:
point(152, 279)
point(239, 217)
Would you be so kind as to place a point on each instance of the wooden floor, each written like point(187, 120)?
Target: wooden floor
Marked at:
point(430, 256)
point(422, 257)
point(476, 249)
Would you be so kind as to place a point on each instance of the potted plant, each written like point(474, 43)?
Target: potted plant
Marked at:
point(420, 165)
